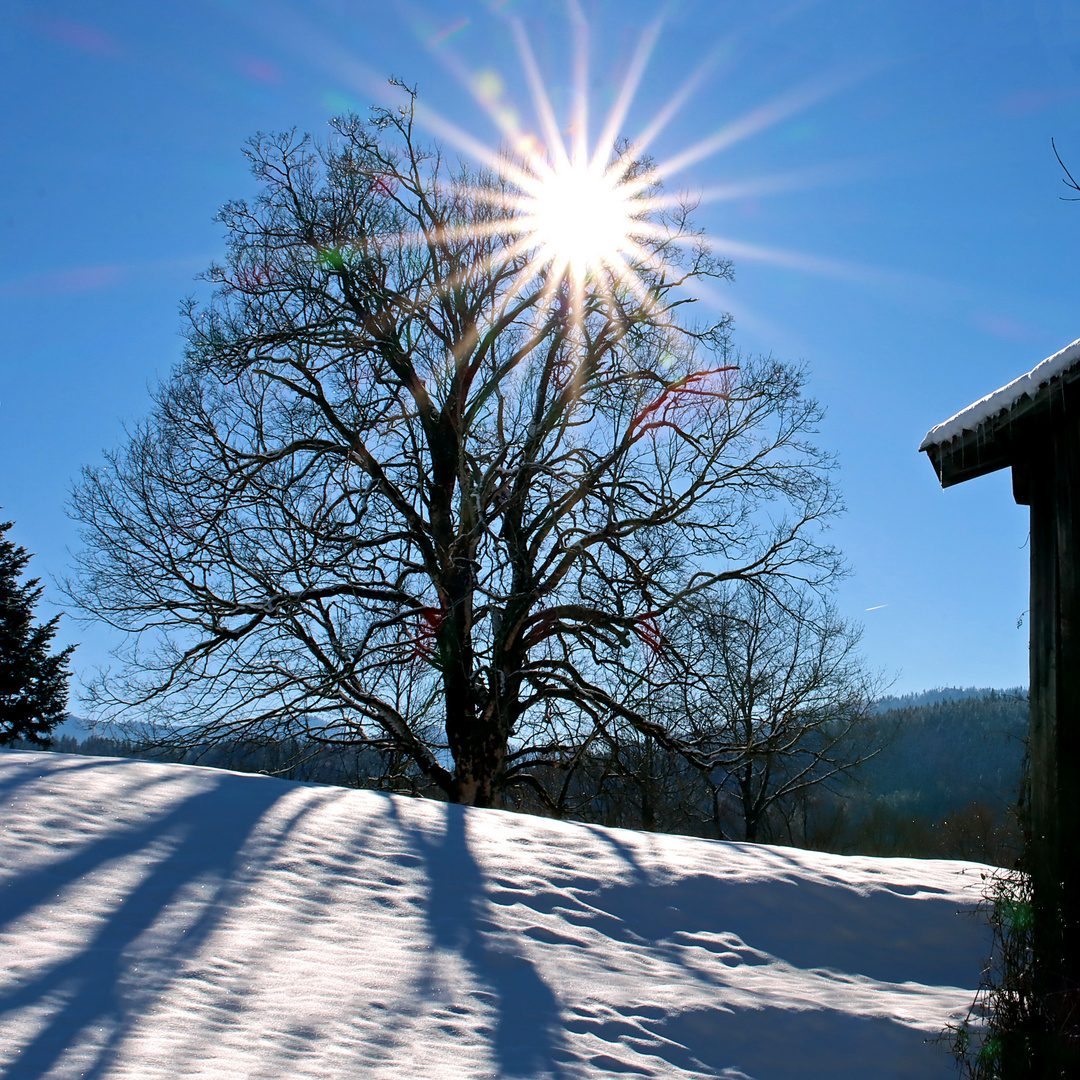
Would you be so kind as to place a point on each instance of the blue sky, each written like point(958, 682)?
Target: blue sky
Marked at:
point(897, 228)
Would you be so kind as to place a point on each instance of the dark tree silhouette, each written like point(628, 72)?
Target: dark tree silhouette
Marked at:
point(765, 695)
point(33, 683)
point(413, 489)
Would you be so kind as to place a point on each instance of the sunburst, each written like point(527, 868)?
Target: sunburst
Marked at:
point(553, 185)
point(581, 219)
point(592, 216)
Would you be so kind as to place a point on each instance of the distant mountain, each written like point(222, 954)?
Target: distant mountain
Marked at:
point(74, 727)
point(946, 693)
point(944, 783)
point(953, 750)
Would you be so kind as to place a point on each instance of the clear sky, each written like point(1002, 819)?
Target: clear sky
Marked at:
point(891, 204)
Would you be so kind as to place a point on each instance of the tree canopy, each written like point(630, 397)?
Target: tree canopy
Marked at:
point(419, 487)
point(33, 682)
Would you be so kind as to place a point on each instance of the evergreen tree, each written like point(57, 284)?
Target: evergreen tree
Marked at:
point(33, 683)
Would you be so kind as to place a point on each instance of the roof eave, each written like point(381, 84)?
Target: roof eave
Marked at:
point(1002, 440)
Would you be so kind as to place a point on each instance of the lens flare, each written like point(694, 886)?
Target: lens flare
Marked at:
point(582, 209)
point(580, 220)
point(593, 213)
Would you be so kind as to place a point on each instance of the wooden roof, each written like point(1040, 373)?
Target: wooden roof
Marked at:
point(1002, 428)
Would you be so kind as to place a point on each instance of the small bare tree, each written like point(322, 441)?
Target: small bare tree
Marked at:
point(416, 489)
point(771, 703)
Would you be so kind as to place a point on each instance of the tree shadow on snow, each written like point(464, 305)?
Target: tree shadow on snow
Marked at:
point(97, 986)
point(20, 770)
point(809, 925)
point(525, 1040)
point(813, 926)
point(786, 915)
point(772, 1044)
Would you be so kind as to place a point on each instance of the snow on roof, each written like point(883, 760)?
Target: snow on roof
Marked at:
point(1000, 400)
point(166, 920)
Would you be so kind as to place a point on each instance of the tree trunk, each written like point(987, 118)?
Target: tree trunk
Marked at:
point(477, 740)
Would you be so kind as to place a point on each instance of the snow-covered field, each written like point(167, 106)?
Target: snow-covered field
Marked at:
point(164, 921)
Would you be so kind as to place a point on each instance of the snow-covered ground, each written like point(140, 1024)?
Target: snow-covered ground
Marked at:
point(165, 921)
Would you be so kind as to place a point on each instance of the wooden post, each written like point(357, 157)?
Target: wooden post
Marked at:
point(1049, 481)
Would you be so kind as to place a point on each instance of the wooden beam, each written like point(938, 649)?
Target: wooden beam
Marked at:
point(1053, 484)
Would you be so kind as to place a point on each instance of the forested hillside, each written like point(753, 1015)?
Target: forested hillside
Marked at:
point(944, 693)
point(953, 752)
point(945, 783)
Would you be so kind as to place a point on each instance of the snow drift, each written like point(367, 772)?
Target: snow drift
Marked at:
point(164, 921)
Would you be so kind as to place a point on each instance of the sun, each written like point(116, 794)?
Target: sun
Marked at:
point(589, 217)
point(580, 220)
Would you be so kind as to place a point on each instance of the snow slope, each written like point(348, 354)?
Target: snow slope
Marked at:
point(165, 921)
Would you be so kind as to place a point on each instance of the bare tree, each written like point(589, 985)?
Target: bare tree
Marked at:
point(413, 488)
point(771, 703)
